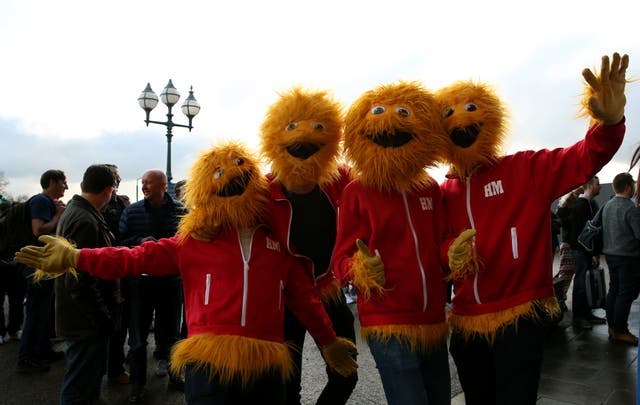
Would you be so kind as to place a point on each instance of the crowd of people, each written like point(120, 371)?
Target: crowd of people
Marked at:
point(250, 261)
point(94, 316)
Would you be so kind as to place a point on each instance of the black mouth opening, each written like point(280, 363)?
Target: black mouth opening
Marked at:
point(236, 186)
point(303, 150)
point(391, 139)
point(465, 137)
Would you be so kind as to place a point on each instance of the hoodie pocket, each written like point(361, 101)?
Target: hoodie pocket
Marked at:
point(514, 242)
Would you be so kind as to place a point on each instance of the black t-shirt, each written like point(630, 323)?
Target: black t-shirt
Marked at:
point(313, 227)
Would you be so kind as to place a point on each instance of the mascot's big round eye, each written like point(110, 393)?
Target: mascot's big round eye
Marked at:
point(470, 107)
point(218, 173)
point(377, 110)
point(403, 111)
point(448, 112)
point(238, 161)
point(291, 126)
point(318, 126)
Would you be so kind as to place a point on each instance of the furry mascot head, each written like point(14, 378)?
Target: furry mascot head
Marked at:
point(301, 138)
point(225, 190)
point(474, 120)
point(391, 134)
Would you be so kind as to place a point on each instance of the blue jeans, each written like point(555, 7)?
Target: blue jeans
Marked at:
point(624, 287)
point(37, 327)
point(201, 388)
point(410, 377)
point(86, 364)
point(580, 305)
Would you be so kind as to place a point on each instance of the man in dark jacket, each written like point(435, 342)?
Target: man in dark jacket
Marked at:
point(151, 219)
point(84, 304)
point(583, 209)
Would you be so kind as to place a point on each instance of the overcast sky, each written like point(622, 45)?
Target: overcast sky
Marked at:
point(71, 71)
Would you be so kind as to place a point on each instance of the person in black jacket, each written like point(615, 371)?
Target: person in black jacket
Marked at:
point(151, 219)
point(115, 362)
point(582, 210)
point(84, 304)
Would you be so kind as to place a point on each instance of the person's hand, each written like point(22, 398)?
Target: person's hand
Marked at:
point(461, 254)
point(373, 264)
point(57, 256)
point(340, 355)
point(60, 206)
point(604, 98)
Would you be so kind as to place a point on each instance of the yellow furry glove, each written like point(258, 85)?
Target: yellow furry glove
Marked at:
point(340, 356)
point(56, 257)
point(461, 255)
point(604, 98)
point(373, 264)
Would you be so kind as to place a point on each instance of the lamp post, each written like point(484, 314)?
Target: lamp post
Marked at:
point(169, 96)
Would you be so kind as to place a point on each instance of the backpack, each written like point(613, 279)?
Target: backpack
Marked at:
point(15, 228)
point(590, 237)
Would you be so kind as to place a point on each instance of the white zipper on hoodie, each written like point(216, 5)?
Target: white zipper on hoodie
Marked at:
point(473, 226)
point(246, 255)
point(207, 288)
point(415, 244)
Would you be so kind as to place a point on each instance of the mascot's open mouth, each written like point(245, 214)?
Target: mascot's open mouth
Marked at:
point(236, 186)
point(303, 150)
point(465, 137)
point(391, 139)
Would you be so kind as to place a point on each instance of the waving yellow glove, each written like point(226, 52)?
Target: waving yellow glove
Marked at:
point(56, 257)
point(604, 97)
point(340, 356)
point(461, 255)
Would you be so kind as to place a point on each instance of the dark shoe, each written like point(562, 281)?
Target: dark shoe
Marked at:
point(162, 368)
point(176, 383)
point(626, 338)
point(581, 323)
point(596, 320)
point(137, 394)
point(122, 378)
point(30, 366)
point(51, 357)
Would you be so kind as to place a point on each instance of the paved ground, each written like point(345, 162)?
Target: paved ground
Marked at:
point(43, 389)
point(580, 367)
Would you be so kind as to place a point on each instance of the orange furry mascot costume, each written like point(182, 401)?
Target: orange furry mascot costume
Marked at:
point(389, 230)
point(237, 279)
point(301, 137)
point(499, 206)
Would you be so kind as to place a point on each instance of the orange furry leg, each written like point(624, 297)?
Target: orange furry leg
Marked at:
point(232, 357)
point(421, 338)
point(487, 326)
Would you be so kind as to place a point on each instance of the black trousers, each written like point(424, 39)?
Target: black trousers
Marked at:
point(506, 372)
point(338, 388)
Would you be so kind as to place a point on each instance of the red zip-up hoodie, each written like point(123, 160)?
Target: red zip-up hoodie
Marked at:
point(223, 293)
point(507, 203)
point(405, 230)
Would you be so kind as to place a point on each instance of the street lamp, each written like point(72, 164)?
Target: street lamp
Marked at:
point(169, 96)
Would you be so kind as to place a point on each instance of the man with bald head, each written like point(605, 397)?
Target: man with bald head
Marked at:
point(146, 221)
